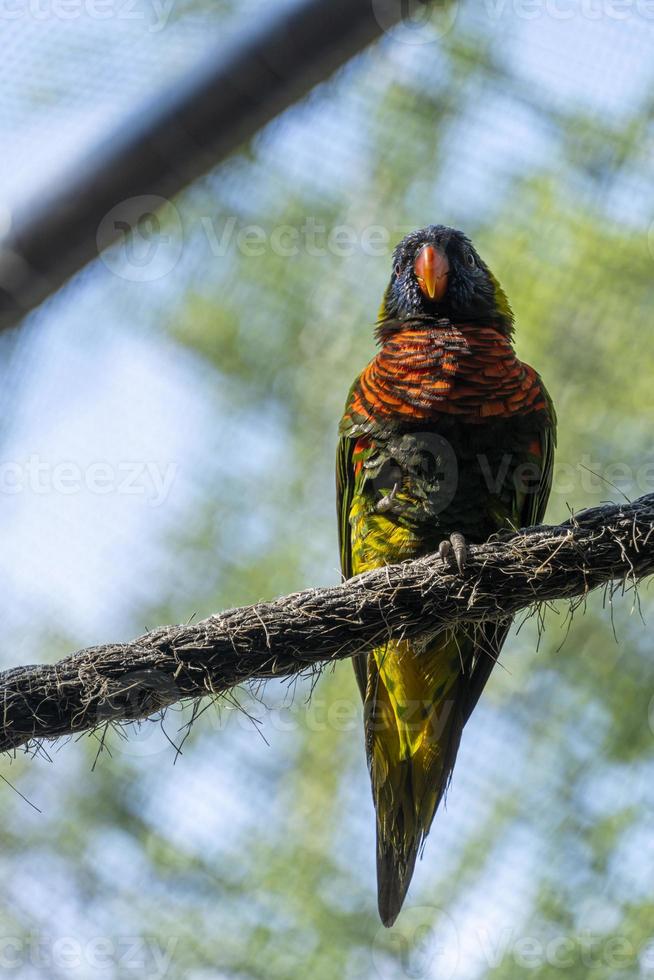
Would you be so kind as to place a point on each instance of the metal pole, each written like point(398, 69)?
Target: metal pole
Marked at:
point(176, 138)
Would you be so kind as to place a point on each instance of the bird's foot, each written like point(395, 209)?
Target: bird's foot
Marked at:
point(387, 501)
point(456, 545)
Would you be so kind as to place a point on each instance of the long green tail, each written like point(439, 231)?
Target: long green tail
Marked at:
point(415, 704)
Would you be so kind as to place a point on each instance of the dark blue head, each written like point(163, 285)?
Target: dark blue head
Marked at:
point(437, 272)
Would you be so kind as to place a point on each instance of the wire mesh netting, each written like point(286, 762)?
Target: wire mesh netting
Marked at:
point(169, 424)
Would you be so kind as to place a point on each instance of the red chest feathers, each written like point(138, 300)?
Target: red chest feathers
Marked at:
point(470, 372)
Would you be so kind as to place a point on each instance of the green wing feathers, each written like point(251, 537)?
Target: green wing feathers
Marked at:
point(418, 695)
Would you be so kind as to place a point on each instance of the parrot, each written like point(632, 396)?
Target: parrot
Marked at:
point(446, 439)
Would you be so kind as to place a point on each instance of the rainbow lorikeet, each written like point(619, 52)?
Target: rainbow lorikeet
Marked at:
point(446, 438)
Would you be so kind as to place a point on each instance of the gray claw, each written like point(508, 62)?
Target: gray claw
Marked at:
point(387, 502)
point(455, 545)
point(444, 549)
point(460, 549)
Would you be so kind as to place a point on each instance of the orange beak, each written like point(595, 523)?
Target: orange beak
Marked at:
point(431, 268)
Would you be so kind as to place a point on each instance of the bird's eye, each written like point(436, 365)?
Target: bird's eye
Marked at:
point(470, 260)
point(398, 268)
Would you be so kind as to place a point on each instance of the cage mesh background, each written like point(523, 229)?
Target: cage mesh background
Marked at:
point(220, 379)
